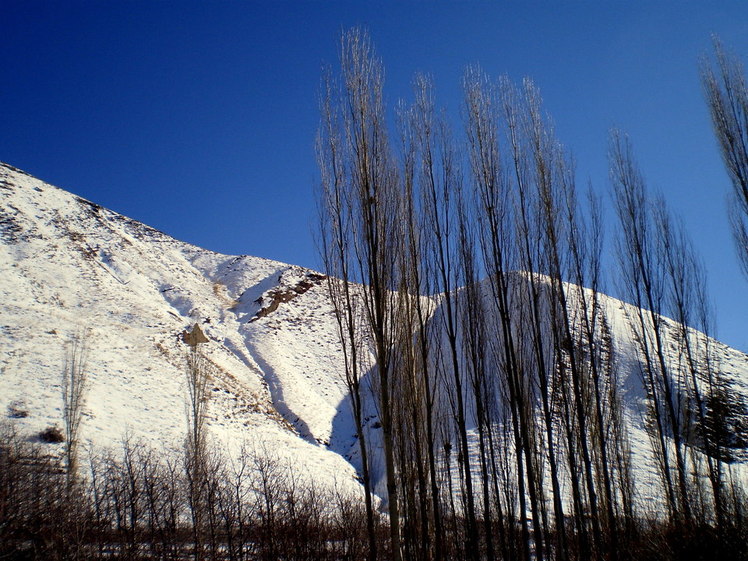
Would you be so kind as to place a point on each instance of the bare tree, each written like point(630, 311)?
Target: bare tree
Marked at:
point(372, 243)
point(644, 281)
point(336, 239)
point(420, 332)
point(594, 342)
point(197, 388)
point(74, 384)
point(726, 92)
point(196, 445)
point(495, 202)
point(439, 185)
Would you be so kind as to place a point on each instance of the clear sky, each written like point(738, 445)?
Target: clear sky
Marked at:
point(198, 118)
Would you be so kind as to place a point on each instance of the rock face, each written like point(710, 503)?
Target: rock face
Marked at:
point(69, 267)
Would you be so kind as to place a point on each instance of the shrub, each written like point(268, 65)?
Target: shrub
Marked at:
point(17, 411)
point(52, 435)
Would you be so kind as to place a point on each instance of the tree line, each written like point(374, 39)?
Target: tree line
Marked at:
point(456, 264)
point(135, 504)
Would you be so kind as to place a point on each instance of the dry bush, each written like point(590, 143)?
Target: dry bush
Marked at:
point(52, 435)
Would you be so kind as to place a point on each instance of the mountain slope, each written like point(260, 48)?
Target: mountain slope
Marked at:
point(68, 265)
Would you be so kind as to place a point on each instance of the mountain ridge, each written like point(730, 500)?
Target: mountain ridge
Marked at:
point(71, 264)
point(276, 381)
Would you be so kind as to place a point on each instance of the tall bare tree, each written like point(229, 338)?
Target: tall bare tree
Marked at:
point(727, 97)
point(644, 282)
point(74, 385)
point(196, 457)
point(440, 188)
point(726, 90)
point(495, 202)
point(417, 284)
point(372, 201)
point(336, 227)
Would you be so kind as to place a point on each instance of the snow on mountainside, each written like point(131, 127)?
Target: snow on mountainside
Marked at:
point(68, 264)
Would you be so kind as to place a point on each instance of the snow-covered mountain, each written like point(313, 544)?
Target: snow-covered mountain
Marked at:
point(69, 265)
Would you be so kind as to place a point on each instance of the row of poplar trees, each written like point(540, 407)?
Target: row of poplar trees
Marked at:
point(454, 263)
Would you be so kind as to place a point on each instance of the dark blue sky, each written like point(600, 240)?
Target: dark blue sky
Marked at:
point(199, 118)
